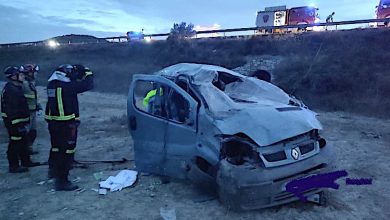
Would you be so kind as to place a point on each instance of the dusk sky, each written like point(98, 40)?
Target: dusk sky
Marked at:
point(33, 20)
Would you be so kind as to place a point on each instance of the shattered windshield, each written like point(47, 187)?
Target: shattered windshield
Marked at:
point(216, 100)
point(251, 90)
point(225, 90)
point(224, 94)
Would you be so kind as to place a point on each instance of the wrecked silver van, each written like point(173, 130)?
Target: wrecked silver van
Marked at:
point(232, 134)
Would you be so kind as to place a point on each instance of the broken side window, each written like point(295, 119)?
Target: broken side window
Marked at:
point(178, 107)
point(184, 85)
point(150, 97)
point(160, 100)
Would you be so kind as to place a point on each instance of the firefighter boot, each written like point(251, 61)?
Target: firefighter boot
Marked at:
point(51, 173)
point(31, 164)
point(62, 183)
point(26, 159)
point(18, 169)
point(65, 186)
point(31, 151)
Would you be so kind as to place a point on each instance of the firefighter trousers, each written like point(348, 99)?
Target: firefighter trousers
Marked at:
point(32, 134)
point(17, 148)
point(63, 137)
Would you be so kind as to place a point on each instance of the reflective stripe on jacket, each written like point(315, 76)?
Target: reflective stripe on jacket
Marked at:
point(14, 107)
point(62, 104)
point(30, 92)
point(150, 95)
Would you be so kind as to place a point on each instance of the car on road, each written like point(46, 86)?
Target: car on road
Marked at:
point(237, 136)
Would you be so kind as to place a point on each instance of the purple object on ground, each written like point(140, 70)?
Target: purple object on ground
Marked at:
point(325, 180)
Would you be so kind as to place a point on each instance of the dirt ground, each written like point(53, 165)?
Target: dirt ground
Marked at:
point(361, 146)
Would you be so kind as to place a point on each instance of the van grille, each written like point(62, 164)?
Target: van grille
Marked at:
point(306, 148)
point(275, 156)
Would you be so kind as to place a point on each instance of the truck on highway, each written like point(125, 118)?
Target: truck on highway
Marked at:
point(281, 16)
point(383, 11)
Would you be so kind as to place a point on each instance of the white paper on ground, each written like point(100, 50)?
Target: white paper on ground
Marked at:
point(123, 179)
point(168, 213)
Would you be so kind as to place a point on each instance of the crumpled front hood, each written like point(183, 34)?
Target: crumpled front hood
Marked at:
point(266, 125)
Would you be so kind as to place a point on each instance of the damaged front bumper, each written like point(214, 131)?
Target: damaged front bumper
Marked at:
point(242, 187)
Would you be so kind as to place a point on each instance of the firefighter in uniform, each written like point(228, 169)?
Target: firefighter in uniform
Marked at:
point(62, 115)
point(30, 92)
point(16, 117)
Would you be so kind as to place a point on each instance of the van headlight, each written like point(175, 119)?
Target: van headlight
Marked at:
point(237, 151)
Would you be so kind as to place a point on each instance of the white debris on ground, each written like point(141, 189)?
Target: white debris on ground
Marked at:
point(125, 178)
point(168, 213)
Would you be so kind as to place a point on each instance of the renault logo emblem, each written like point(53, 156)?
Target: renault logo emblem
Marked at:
point(295, 153)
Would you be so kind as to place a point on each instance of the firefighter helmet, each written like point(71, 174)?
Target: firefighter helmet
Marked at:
point(29, 68)
point(11, 71)
point(68, 70)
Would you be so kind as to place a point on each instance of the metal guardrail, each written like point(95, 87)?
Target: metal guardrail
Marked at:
point(301, 26)
point(224, 31)
point(297, 26)
point(23, 43)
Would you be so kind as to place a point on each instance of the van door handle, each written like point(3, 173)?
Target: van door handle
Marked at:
point(132, 122)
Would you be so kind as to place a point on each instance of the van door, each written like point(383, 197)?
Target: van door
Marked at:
point(147, 123)
point(181, 136)
point(158, 127)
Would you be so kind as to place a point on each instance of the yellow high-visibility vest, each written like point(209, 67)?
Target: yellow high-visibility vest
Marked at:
point(151, 94)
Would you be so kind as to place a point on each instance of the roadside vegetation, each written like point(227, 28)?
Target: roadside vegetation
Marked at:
point(333, 71)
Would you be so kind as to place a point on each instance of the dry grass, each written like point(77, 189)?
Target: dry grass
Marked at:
point(349, 73)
